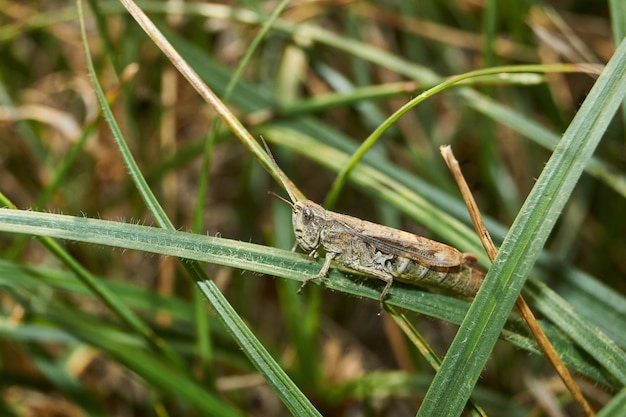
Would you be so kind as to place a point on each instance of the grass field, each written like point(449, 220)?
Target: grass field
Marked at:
point(146, 271)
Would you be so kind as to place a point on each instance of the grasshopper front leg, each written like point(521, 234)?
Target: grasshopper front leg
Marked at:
point(322, 274)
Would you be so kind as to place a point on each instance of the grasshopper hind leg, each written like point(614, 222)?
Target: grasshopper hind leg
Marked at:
point(383, 294)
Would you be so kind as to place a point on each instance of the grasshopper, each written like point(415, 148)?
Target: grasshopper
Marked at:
point(356, 245)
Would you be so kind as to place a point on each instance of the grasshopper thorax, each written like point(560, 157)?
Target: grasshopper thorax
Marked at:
point(308, 220)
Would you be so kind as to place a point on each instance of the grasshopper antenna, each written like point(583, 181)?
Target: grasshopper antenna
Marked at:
point(284, 200)
point(281, 175)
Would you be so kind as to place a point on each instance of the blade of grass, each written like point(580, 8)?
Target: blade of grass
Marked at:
point(109, 298)
point(586, 335)
point(617, 11)
point(280, 263)
point(471, 347)
point(289, 393)
point(424, 349)
point(152, 368)
point(205, 92)
point(522, 307)
point(203, 184)
point(616, 407)
point(60, 173)
point(199, 209)
point(59, 374)
point(402, 384)
point(339, 182)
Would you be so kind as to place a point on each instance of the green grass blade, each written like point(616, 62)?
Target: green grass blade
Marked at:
point(400, 384)
point(109, 298)
point(617, 10)
point(601, 305)
point(471, 347)
point(339, 182)
point(587, 335)
point(289, 393)
point(616, 407)
point(203, 185)
point(152, 368)
point(267, 260)
point(424, 348)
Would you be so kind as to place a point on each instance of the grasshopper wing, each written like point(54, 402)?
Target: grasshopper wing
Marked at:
point(416, 248)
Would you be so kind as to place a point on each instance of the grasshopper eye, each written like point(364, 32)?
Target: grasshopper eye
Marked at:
point(307, 215)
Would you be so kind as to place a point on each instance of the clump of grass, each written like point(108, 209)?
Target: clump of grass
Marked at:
point(113, 331)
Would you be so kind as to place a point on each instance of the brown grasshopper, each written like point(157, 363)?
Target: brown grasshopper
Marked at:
point(389, 254)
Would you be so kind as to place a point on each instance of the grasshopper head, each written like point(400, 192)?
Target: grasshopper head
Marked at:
point(308, 220)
